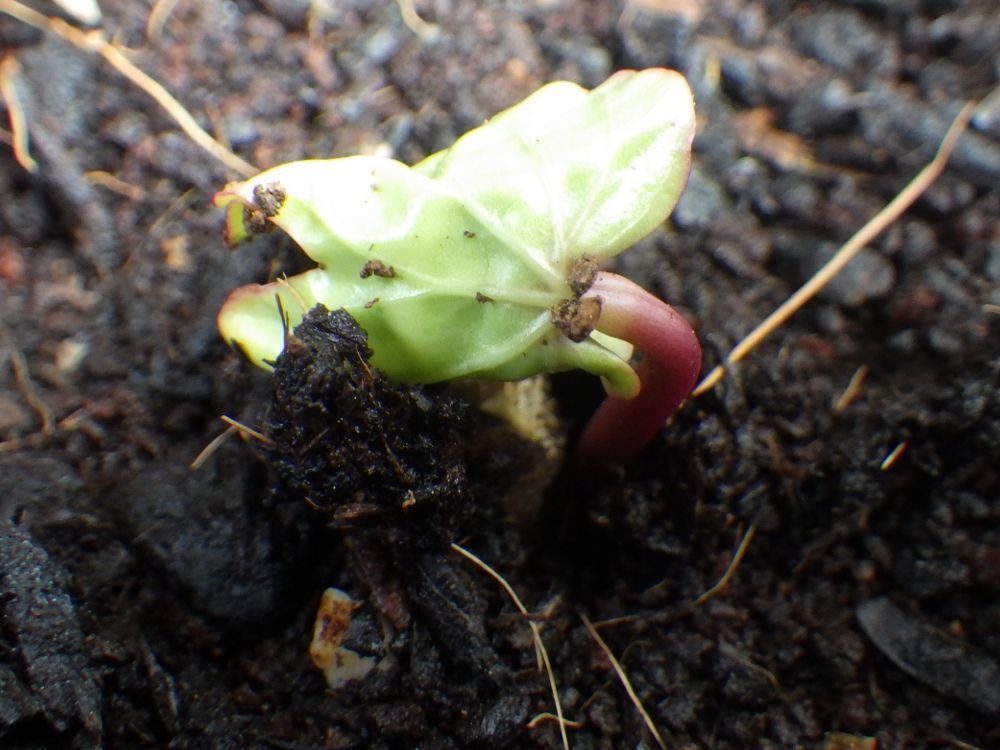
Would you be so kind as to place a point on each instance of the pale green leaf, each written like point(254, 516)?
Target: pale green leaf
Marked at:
point(569, 172)
point(452, 266)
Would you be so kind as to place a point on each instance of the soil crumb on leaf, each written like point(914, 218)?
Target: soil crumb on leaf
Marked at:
point(576, 318)
point(377, 268)
point(582, 274)
point(267, 202)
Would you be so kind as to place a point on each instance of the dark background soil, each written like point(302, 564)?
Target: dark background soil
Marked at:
point(146, 605)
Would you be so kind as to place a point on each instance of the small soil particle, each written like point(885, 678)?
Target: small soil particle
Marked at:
point(582, 274)
point(576, 318)
point(377, 268)
point(267, 202)
point(269, 198)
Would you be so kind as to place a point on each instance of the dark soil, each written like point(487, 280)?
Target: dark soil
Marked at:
point(143, 604)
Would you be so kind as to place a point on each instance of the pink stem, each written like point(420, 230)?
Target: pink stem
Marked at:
point(668, 370)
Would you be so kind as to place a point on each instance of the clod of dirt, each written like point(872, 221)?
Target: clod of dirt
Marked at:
point(44, 674)
point(576, 318)
point(945, 664)
point(388, 464)
point(351, 443)
point(214, 533)
point(32, 484)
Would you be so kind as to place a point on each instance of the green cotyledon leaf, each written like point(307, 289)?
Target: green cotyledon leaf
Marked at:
point(452, 266)
point(569, 172)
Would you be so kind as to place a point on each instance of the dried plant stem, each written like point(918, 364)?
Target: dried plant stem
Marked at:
point(741, 552)
point(15, 112)
point(535, 633)
point(233, 427)
point(626, 683)
point(112, 183)
point(896, 207)
point(414, 22)
point(158, 16)
point(853, 389)
point(890, 460)
point(246, 431)
point(30, 394)
point(546, 716)
point(212, 447)
point(94, 42)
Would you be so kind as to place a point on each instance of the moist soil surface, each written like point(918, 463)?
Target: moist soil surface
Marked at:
point(144, 604)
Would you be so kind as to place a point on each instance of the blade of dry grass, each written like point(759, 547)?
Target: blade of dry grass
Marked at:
point(212, 447)
point(29, 392)
point(734, 565)
point(894, 455)
point(535, 633)
point(15, 113)
point(246, 431)
point(893, 210)
point(157, 18)
point(626, 683)
point(853, 389)
point(94, 42)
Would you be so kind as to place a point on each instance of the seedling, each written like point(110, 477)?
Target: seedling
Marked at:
point(482, 260)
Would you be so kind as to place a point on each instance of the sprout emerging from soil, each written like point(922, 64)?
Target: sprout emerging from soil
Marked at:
point(482, 260)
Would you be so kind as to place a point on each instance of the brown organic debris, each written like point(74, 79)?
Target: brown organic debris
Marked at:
point(576, 318)
point(338, 664)
point(582, 274)
point(267, 202)
point(377, 268)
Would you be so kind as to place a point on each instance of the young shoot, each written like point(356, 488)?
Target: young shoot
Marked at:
point(482, 260)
